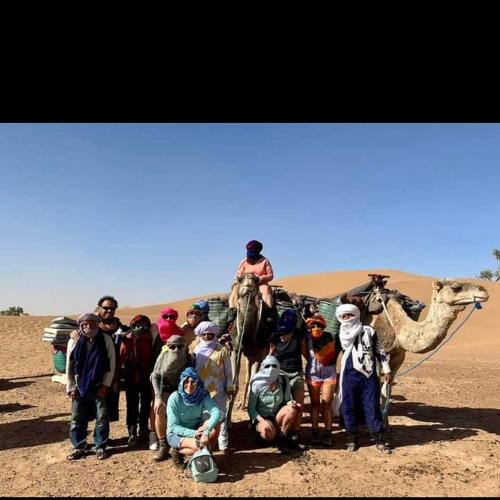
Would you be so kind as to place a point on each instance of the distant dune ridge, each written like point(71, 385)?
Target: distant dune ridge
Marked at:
point(481, 334)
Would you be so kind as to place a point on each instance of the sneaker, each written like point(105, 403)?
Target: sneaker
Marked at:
point(352, 445)
point(315, 436)
point(383, 447)
point(177, 458)
point(153, 441)
point(101, 453)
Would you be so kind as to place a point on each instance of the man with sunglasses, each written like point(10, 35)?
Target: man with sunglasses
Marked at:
point(173, 359)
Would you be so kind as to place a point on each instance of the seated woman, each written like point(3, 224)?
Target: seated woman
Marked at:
point(260, 266)
point(187, 431)
point(271, 409)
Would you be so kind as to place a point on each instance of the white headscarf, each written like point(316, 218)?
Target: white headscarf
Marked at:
point(205, 348)
point(265, 376)
point(349, 328)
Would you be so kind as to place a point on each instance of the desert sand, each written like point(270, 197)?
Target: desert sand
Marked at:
point(445, 417)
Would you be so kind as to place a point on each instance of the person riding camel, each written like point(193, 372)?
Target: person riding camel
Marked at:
point(260, 266)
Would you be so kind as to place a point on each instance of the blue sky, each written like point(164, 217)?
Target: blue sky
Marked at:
point(152, 213)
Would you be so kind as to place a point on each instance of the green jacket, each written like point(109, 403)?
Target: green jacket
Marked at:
point(269, 402)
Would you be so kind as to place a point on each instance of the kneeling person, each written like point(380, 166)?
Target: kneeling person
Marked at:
point(271, 408)
point(187, 431)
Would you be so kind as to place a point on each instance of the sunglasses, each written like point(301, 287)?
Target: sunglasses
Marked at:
point(168, 316)
point(108, 308)
point(270, 366)
point(174, 347)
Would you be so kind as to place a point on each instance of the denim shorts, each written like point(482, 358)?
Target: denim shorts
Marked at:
point(174, 440)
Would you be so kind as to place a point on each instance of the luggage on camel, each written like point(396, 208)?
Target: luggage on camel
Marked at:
point(218, 313)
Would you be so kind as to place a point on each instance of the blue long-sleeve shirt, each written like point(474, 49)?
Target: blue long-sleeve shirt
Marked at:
point(184, 420)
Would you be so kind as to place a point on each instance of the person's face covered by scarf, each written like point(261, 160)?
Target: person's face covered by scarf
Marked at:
point(254, 248)
point(194, 315)
point(166, 323)
point(316, 325)
point(350, 323)
point(176, 356)
point(88, 325)
point(140, 325)
point(286, 323)
point(208, 332)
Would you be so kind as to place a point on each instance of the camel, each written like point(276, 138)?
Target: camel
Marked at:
point(244, 333)
point(448, 299)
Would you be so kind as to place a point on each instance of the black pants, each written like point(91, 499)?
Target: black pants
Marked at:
point(138, 403)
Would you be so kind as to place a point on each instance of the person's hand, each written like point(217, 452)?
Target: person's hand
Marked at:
point(294, 404)
point(268, 426)
point(75, 335)
point(204, 441)
point(230, 395)
point(198, 434)
point(159, 406)
point(73, 395)
point(388, 377)
point(102, 391)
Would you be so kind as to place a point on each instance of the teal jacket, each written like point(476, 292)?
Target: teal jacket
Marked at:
point(184, 420)
point(268, 403)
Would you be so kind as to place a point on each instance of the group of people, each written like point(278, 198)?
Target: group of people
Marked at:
point(178, 380)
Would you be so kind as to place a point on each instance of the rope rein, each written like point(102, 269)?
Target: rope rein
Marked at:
point(238, 355)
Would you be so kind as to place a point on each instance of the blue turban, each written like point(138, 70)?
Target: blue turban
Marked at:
point(287, 321)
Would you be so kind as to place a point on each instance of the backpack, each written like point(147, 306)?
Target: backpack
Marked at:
point(203, 466)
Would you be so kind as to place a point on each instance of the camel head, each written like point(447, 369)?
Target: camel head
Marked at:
point(458, 294)
point(249, 285)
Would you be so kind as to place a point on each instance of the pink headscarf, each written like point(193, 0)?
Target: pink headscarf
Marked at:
point(167, 327)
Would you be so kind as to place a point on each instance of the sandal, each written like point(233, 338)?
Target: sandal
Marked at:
point(76, 454)
point(352, 446)
point(101, 454)
point(384, 448)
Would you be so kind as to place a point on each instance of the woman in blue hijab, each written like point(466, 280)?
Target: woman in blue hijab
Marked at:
point(187, 431)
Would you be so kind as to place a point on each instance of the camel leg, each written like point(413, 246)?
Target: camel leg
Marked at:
point(395, 361)
point(248, 374)
point(236, 387)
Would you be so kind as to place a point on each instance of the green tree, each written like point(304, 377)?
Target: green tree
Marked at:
point(12, 311)
point(488, 274)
